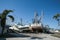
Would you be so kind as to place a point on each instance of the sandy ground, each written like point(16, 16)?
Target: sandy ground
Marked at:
point(40, 36)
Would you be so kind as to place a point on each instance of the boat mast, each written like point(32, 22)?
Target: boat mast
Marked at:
point(41, 17)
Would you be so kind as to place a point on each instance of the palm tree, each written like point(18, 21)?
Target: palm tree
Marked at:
point(3, 18)
point(57, 17)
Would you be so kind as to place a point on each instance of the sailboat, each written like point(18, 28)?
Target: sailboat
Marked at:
point(37, 25)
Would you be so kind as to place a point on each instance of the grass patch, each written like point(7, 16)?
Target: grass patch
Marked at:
point(56, 35)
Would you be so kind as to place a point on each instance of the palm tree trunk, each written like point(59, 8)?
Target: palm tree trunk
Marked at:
point(3, 21)
point(59, 23)
point(2, 31)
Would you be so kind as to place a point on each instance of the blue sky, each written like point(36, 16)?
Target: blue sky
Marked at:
point(25, 9)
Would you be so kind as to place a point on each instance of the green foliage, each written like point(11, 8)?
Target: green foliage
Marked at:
point(3, 18)
point(57, 17)
point(56, 35)
point(11, 17)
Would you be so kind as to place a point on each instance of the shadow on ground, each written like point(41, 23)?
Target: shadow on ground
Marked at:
point(20, 35)
point(10, 35)
point(2, 38)
point(36, 38)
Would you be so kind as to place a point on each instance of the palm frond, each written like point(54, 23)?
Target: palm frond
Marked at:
point(6, 12)
point(11, 17)
point(56, 16)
